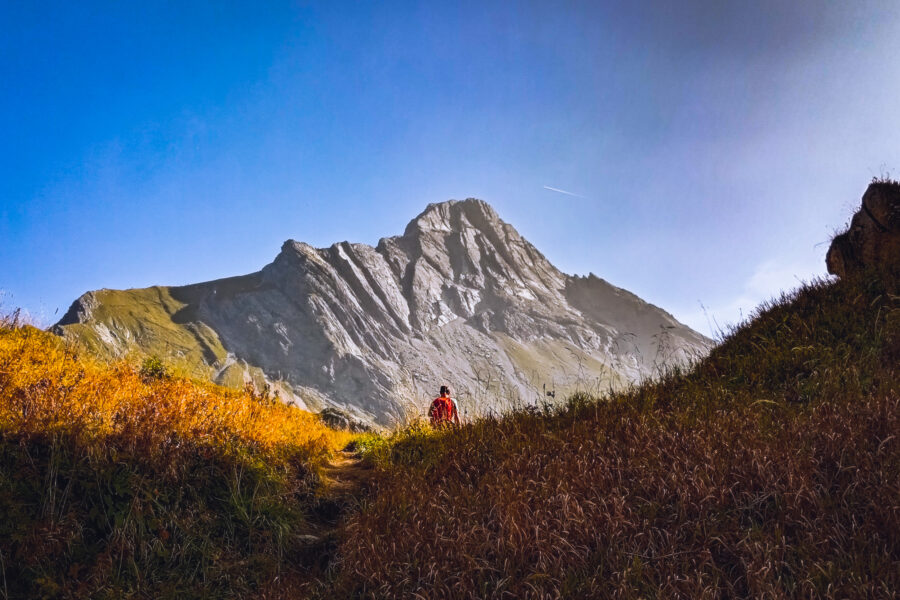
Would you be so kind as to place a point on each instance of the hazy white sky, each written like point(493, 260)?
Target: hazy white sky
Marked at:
point(707, 150)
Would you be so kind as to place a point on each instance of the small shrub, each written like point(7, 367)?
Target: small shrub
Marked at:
point(153, 368)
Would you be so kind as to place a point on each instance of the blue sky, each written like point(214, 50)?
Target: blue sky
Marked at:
point(711, 149)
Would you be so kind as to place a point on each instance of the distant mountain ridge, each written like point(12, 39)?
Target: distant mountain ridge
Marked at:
point(459, 298)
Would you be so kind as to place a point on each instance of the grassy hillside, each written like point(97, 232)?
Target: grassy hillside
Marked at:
point(772, 469)
point(155, 324)
point(117, 481)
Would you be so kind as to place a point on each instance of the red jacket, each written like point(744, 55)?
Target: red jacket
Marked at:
point(443, 410)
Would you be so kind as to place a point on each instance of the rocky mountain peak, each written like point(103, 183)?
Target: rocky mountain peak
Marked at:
point(459, 298)
point(455, 215)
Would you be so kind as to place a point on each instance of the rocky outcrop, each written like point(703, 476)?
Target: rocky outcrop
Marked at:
point(459, 298)
point(873, 238)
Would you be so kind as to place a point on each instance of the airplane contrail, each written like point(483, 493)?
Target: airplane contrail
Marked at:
point(553, 189)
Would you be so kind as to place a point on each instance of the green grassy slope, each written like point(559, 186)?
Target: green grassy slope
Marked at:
point(149, 315)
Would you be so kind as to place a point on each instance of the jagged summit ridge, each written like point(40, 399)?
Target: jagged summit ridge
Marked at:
point(455, 258)
point(454, 215)
point(460, 297)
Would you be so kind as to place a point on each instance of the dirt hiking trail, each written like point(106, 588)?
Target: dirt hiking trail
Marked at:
point(346, 481)
point(346, 477)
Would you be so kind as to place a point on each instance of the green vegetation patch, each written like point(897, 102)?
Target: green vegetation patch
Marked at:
point(155, 324)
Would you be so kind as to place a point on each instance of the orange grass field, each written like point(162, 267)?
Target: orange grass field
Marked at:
point(115, 481)
point(47, 387)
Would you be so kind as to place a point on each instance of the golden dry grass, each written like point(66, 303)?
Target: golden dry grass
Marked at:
point(117, 483)
point(47, 387)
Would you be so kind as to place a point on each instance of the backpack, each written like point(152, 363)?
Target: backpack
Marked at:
point(441, 409)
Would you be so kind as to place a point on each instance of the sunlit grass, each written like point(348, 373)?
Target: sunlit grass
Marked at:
point(48, 387)
point(117, 481)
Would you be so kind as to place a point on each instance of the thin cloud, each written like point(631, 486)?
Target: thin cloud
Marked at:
point(768, 281)
point(559, 191)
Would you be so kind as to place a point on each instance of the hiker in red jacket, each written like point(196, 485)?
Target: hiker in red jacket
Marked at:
point(443, 409)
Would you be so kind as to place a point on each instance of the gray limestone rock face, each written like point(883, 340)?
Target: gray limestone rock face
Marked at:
point(460, 298)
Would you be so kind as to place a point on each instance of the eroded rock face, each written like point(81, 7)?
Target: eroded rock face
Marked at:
point(873, 238)
point(459, 298)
